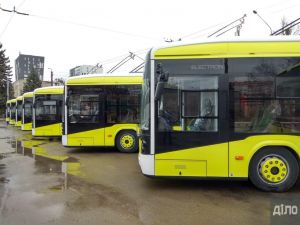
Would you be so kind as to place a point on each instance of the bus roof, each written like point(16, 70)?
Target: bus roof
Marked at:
point(8, 101)
point(28, 94)
point(105, 79)
point(49, 90)
point(19, 98)
point(231, 48)
point(14, 100)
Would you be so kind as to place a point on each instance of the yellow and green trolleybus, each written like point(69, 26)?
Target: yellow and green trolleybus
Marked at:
point(47, 111)
point(102, 110)
point(223, 109)
point(19, 107)
point(7, 111)
point(12, 115)
point(27, 111)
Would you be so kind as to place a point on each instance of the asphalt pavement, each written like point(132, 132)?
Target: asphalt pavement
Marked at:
point(41, 182)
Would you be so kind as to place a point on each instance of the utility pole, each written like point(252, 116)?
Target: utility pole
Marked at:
point(7, 89)
point(51, 76)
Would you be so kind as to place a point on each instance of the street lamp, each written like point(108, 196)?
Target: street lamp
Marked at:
point(51, 76)
point(255, 12)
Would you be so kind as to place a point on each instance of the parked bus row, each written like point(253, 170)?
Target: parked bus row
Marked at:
point(95, 110)
point(225, 109)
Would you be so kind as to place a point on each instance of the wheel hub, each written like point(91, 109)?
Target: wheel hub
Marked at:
point(273, 169)
point(127, 141)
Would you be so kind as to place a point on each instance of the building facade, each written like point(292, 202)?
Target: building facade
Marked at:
point(18, 86)
point(26, 64)
point(85, 69)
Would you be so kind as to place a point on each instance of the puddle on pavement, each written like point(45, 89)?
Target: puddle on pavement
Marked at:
point(3, 179)
point(3, 138)
point(12, 142)
point(46, 162)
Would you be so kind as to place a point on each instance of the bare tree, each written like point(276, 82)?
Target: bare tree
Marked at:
point(289, 30)
point(59, 81)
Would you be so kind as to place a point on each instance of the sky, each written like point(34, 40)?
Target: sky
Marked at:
point(69, 33)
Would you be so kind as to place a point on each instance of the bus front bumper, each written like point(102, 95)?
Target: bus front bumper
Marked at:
point(147, 164)
point(64, 140)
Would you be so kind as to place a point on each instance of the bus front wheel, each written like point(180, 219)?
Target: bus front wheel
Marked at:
point(274, 169)
point(127, 141)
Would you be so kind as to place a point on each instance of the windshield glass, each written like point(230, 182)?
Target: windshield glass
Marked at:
point(13, 111)
point(28, 110)
point(19, 110)
point(47, 107)
point(145, 98)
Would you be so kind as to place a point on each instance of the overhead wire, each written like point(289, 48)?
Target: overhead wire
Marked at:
point(58, 20)
point(193, 34)
point(199, 33)
point(12, 16)
point(121, 57)
point(92, 27)
point(270, 6)
point(286, 8)
point(209, 28)
point(6, 26)
point(21, 4)
point(138, 52)
point(288, 4)
point(241, 20)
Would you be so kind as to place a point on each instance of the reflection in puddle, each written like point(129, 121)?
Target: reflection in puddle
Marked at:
point(4, 180)
point(46, 162)
point(12, 142)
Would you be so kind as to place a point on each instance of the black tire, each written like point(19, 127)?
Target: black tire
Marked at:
point(127, 141)
point(263, 168)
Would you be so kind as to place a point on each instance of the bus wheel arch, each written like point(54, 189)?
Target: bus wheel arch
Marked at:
point(274, 168)
point(126, 141)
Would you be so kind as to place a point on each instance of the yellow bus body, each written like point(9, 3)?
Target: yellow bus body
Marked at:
point(93, 137)
point(229, 159)
point(18, 122)
point(28, 125)
point(52, 130)
point(12, 121)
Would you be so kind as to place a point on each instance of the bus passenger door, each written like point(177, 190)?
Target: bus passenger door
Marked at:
point(191, 127)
